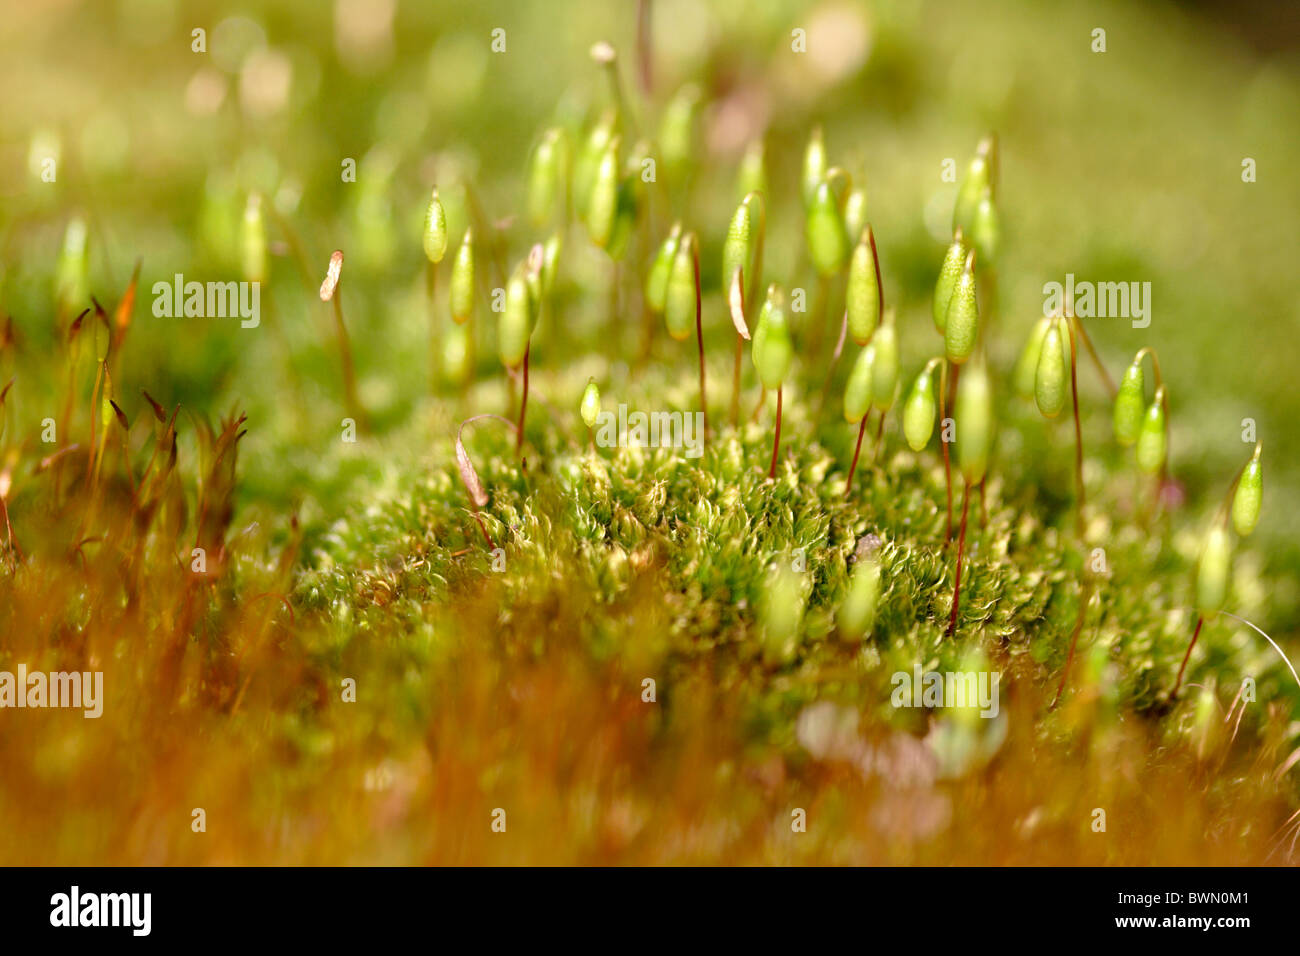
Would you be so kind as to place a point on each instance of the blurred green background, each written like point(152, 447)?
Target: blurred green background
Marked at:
point(1117, 166)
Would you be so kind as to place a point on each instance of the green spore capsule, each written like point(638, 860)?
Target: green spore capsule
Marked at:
point(919, 411)
point(1027, 365)
point(1130, 402)
point(602, 205)
point(435, 229)
point(1052, 374)
point(752, 177)
point(855, 212)
point(857, 392)
point(1212, 571)
point(772, 351)
point(739, 246)
point(458, 353)
point(551, 261)
point(545, 175)
point(962, 325)
point(534, 263)
point(656, 283)
point(219, 217)
point(1152, 442)
point(590, 407)
point(1249, 496)
point(862, 297)
point(71, 285)
point(516, 319)
point(828, 243)
point(253, 240)
point(814, 167)
point(857, 615)
point(626, 210)
point(884, 372)
point(984, 230)
point(949, 274)
point(681, 298)
point(974, 421)
point(461, 293)
point(589, 159)
point(677, 128)
point(973, 186)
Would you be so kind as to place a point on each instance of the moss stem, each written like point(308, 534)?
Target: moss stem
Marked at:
point(1074, 642)
point(349, 372)
point(862, 428)
point(830, 368)
point(1195, 634)
point(820, 310)
point(699, 337)
point(435, 328)
point(961, 553)
point(1096, 360)
point(523, 403)
point(776, 441)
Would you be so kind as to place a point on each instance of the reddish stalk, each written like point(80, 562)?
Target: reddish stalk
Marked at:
point(830, 368)
point(349, 372)
point(776, 442)
point(862, 428)
point(482, 527)
point(735, 381)
point(523, 403)
point(699, 336)
point(15, 552)
point(1096, 360)
point(1074, 642)
point(1195, 634)
point(644, 47)
point(647, 336)
point(431, 287)
point(961, 551)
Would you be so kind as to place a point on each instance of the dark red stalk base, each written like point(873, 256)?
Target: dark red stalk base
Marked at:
point(776, 442)
point(1195, 634)
point(862, 428)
